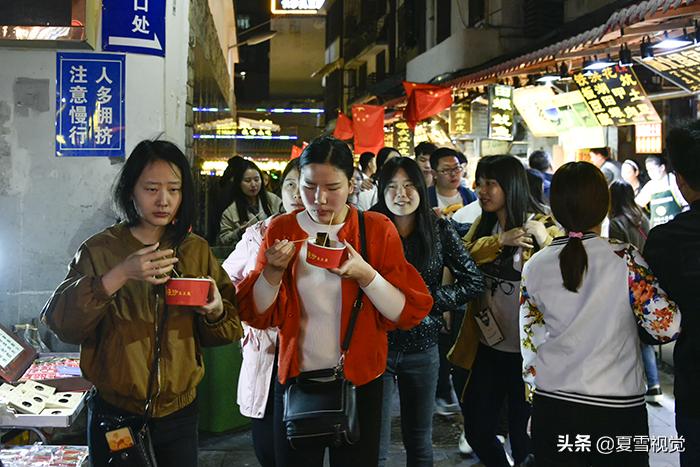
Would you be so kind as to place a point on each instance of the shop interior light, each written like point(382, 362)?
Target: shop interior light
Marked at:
point(645, 49)
point(595, 64)
point(673, 43)
point(210, 109)
point(625, 56)
point(257, 137)
point(290, 111)
point(548, 77)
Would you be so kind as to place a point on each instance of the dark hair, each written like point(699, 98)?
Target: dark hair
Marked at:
point(656, 159)
point(144, 154)
point(539, 160)
point(535, 181)
point(601, 152)
point(383, 155)
point(425, 217)
point(510, 174)
point(424, 148)
point(365, 157)
point(328, 150)
point(440, 153)
point(291, 165)
point(683, 146)
point(622, 203)
point(580, 201)
point(240, 198)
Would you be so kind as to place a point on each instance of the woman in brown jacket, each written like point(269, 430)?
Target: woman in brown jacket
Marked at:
point(112, 304)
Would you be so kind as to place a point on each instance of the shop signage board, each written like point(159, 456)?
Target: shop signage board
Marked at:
point(616, 97)
point(296, 7)
point(568, 111)
point(531, 103)
point(90, 104)
point(461, 118)
point(403, 138)
point(501, 112)
point(134, 26)
point(681, 67)
point(389, 136)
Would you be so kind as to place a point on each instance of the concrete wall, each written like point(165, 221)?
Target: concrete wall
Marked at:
point(49, 205)
point(464, 48)
point(575, 8)
point(295, 52)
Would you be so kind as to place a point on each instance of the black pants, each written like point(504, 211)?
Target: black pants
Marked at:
point(556, 424)
point(268, 432)
point(174, 436)
point(365, 452)
point(496, 377)
point(445, 343)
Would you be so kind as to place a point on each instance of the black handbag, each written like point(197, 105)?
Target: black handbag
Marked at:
point(320, 407)
point(128, 436)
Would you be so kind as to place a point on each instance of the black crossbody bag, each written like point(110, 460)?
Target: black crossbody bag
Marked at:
point(320, 407)
point(131, 432)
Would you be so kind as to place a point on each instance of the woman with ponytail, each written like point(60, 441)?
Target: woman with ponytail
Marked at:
point(585, 303)
point(511, 228)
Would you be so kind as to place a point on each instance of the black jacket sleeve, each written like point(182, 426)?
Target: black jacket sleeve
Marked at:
point(468, 280)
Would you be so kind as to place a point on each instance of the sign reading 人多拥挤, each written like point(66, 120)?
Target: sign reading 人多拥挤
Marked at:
point(134, 26)
point(90, 89)
point(615, 96)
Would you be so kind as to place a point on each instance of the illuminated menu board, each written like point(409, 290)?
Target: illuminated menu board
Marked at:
point(461, 118)
point(681, 67)
point(616, 97)
point(501, 112)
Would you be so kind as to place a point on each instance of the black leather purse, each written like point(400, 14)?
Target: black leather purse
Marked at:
point(320, 407)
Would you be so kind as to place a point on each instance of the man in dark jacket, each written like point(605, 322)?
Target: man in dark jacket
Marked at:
point(673, 253)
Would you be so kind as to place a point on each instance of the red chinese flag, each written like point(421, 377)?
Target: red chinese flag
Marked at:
point(410, 87)
point(296, 151)
point(343, 127)
point(424, 103)
point(368, 126)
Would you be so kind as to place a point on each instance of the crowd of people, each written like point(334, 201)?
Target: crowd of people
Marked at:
point(529, 301)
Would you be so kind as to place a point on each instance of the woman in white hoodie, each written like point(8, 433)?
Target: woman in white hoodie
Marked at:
point(256, 384)
point(586, 301)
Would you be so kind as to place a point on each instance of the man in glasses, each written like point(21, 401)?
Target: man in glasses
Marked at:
point(448, 194)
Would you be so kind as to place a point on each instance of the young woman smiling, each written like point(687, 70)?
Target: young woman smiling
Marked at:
point(311, 305)
point(430, 244)
point(511, 228)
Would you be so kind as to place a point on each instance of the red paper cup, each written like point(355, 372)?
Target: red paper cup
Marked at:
point(186, 291)
point(323, 256)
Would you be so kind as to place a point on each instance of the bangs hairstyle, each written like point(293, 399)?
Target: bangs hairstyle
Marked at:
point(328, 150)
point(240, 198)
point(580, 201)
point(383, 155)
point(425, 217)
point(144, 154)
point(511, 176)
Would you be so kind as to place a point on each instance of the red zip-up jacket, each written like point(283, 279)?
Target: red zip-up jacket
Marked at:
point(366, 357)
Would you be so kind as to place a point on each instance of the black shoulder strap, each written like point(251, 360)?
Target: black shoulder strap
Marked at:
point(358, 301)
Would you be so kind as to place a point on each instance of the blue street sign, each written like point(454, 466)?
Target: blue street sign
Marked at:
point(135, 26)
point(90, 89)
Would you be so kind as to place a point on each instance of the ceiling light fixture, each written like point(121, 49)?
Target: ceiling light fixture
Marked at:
point(645, 49)
point(673, 43)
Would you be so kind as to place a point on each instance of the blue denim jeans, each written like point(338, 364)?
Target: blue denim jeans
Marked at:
point(416, 375)
point(689, 428)
point(649, 358)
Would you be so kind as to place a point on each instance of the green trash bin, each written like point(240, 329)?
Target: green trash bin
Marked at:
point(218, 411)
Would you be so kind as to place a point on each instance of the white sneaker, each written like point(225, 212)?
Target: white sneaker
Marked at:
point(442, 407)
point(464, 447)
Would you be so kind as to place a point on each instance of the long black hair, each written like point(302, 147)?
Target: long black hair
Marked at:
point(328, 150)
point(511, 176)
point(382, 157)
point(622, 203)
point(580, 201)
point(145, 153)
point(240, 198)
point(425, 217)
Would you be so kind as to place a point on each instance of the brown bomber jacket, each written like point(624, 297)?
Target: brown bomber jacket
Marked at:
point(116, 333)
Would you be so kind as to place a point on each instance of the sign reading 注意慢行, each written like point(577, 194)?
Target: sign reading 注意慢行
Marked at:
point(403, 138)
point(134, 26)
point(616, 97)
point(501, 112)
point(461, 118)
point(681, 67)
point(90, 104)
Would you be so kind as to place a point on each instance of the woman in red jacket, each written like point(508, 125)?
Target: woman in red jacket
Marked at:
point(312, 305)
